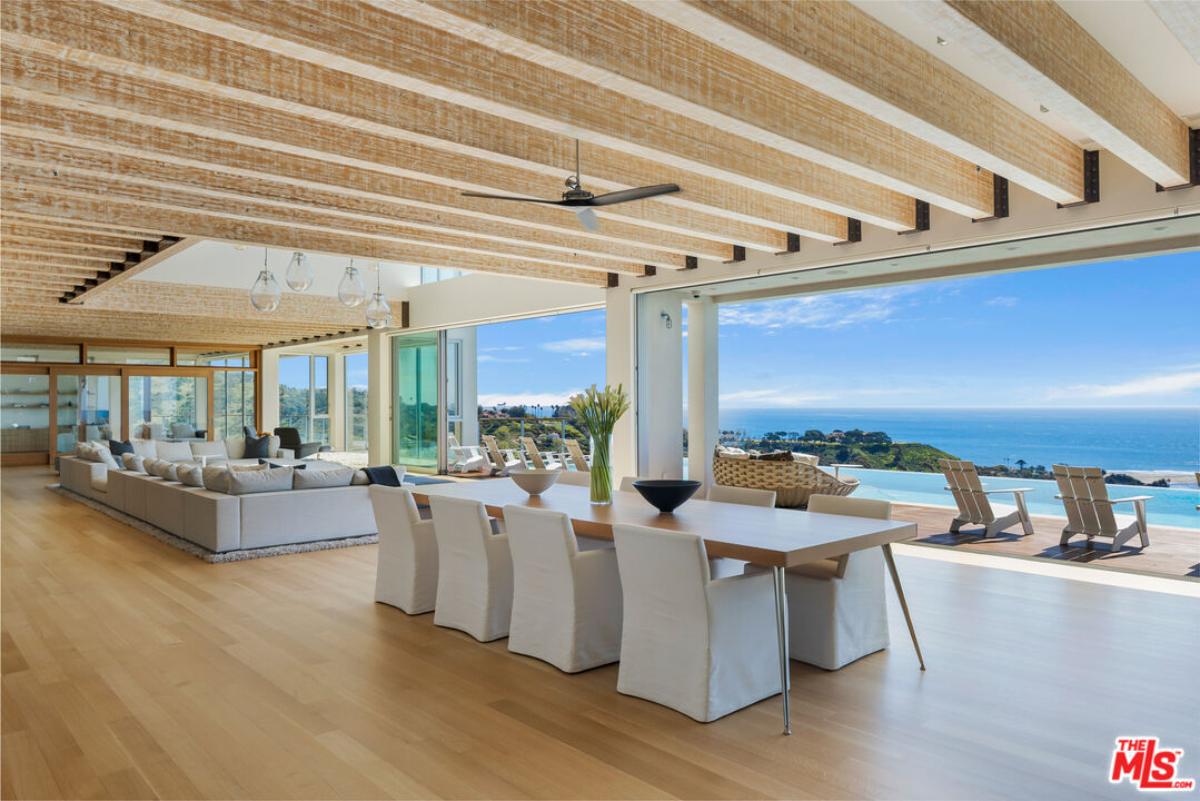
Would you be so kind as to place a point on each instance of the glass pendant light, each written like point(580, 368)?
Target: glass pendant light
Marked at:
point(265, 293)
point(300, 273)
point(379, 313)
point(351, 291)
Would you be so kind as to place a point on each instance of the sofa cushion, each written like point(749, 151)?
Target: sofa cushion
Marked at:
point(806, 458)
point(216, 477)
point(144, 447)
point(248, 482)
point(258, 447)
point(315, 479)
point(235, 447)
point(192, 475)
point(119, 448)
point(173, 451)
point(133, 462)
point(211, 449)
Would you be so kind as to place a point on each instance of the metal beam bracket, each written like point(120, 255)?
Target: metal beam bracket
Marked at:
point(921, 218)
point(1193, 163)
point(999, 199)
point(853, 232)
point(1091, 180)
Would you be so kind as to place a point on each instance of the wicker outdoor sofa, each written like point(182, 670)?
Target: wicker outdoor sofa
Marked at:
point(792, 481)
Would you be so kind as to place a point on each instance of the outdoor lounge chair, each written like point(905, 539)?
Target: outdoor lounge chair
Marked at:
point(501, 460)
point(464, 458)
point(974, 507)
point(577, 458)
point(541, 460)
point(1090, 511)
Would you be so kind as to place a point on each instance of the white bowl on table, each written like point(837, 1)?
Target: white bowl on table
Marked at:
point(532, 480)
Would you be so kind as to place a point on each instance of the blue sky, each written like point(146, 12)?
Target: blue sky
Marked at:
point(1121, 333)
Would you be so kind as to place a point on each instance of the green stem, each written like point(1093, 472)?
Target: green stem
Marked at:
point(601, 484)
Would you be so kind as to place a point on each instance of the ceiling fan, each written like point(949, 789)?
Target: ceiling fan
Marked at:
point(582, 201)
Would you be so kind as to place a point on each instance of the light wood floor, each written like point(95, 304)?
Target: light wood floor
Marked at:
point(131, 670)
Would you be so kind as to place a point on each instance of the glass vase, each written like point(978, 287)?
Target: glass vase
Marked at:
point(601, 479)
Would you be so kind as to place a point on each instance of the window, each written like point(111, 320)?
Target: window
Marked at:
point(168, 407)
point(431, 275)
point(304, 396)
point(106, 355)
point(185, 358)
point(57, 354)
point(233, 402)
point(356, 401)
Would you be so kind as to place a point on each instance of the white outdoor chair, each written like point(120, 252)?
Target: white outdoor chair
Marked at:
point(406, 571)
point(539, 460)
point(464, 458)
point(974, 508)
point(566, 606)
point(1090, 511)
point(700, 646)
point(837, 611)
point(577, 458)
point(746, 496)
point(475, 580)
point(502, 460)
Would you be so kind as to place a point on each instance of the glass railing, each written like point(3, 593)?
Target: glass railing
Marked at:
point(548, 432)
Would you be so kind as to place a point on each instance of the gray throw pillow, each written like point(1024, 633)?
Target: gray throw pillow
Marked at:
point(133, 462)
point(191, 475)
point(360, 478)
point(215, 478)
point(247, 482)
point(317, 479)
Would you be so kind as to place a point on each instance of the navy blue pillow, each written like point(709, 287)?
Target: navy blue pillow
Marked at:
point(258, 447)
point(248, 432)
point(384, 476)
point(118, 448)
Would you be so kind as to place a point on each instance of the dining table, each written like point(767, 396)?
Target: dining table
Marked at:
point(769, 537)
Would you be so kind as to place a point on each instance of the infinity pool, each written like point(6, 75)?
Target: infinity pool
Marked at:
point(1170, 507)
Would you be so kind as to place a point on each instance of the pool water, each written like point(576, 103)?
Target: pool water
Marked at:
point(1170, 506)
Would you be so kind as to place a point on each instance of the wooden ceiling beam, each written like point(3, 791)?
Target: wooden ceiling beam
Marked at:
point(89, 208)
point(13, 265)
point(37, 259)
point(620, 48)
point(15, 248)
point(841, 51)
point(137, 191)
point(403, 221)
point(72, 226)
point(62, 243)
point(407, 54)
point(1039, 46)
point(475, 151)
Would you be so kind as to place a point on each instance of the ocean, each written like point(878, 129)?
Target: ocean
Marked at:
point(1114, 439)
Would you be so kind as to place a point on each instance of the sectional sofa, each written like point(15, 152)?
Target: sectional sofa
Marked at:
point(222, 522)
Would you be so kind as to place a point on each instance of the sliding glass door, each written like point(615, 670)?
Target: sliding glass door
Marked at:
point(417, 405)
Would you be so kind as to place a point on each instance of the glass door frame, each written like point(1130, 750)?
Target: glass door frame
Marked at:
point(17, 458)
point(109, 370)
point(436, 339)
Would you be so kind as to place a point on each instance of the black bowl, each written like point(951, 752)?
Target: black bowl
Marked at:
point(666, 494)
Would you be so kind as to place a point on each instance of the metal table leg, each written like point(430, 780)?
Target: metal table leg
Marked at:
point(782, 630)
point(891, 563)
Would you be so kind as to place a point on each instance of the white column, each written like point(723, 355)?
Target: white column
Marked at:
point(379, 398)
point(337, 401)
point(660, 385)
point(703, 389)
point(270, 390)
point(470, 384)
point(619, 361)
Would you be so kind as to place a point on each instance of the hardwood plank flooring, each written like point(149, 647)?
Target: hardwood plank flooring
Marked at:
point(131, 670)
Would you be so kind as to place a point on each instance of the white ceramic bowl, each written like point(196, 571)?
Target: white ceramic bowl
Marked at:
point(535, 482)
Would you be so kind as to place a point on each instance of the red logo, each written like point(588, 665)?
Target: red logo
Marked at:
point(1147, 766)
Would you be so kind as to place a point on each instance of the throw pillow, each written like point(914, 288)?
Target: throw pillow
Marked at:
point(192, 476)
point(235, 447)
point(258, 447)
point(775, 456)
point(173, 451)
point(247, 482)
point(210, 449)
point(318, 479)
point(145, 447)
point(360, 478)
point(105, 457)
point(120, 448)
point(170, 472)
point(386, 475)
point(215, 478)
point(132, 462)
point(249, 432)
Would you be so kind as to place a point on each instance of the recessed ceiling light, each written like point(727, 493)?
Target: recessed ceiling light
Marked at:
point(943, 42)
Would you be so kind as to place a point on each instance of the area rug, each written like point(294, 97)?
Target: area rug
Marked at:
point(195, 550)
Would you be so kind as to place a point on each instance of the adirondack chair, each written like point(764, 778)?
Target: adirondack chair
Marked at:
point(1090, 511)
point(501, 460)
point(974, 507)
point(541, 460)
point(464, 458)
point(577, 458)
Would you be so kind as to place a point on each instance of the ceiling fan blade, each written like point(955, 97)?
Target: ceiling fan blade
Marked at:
point(588, 218)
point(511, 197)
point(640, 193)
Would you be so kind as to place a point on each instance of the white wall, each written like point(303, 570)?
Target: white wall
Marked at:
point(660, 386)
point(482, 297)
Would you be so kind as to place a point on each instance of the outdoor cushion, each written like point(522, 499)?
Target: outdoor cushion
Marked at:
point(119, 448)
point(191, 475)
point(315, 479)
point(208, 449)
point(775, 456)
point(173, 451)
point(247, 482)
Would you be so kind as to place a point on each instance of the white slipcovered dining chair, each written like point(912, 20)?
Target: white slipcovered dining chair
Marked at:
point(626, 484)
point(475, 581)
point(746, 496)
point(575, 478)
point(837, 610)
point(566, 601)
point(700, 646)
point(406, 573)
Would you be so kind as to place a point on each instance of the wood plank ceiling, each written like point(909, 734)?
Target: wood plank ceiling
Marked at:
point(352, 127)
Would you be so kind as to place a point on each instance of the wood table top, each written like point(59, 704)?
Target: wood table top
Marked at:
point(762, 536)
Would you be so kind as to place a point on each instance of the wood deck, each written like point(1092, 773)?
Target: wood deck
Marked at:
point(132, 670)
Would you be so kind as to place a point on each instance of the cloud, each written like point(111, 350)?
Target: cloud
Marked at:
point(761, 398)
point(818, 311)
point(1157, 384)
point(527, 398)
point(506, 348)
point(580, 345)
point(487, 357)
point(1006, 301)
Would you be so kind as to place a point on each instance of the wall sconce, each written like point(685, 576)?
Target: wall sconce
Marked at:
point(666, 319)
